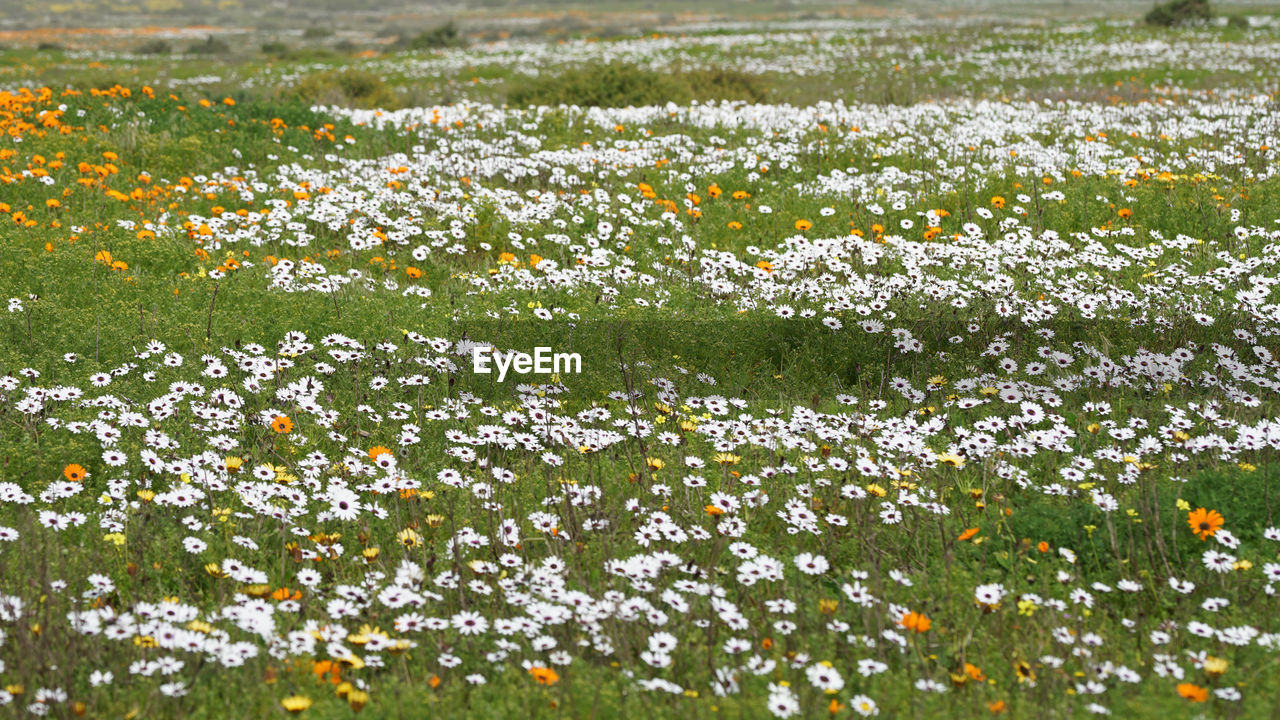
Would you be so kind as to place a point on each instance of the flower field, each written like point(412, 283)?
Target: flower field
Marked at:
point(918, 378)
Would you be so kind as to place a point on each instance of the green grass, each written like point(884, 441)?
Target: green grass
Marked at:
point(106, 316)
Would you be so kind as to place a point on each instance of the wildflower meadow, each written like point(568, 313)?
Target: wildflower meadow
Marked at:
point(824, 365)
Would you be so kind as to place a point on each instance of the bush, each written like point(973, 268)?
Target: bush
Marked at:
point(622, 85)
point(154, 47)
point(315, 33)
point(437, 38)
point(1179, 12)
point(352, 88)
point(211, 46)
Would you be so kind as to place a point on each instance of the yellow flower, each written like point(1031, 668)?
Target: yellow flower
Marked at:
point(1215, 666)
point(296, 703)
point(409, 538)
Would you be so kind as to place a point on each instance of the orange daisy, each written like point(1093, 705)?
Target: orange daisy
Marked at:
point(1205, 522)
point(1194, 693)
point(544, 675)
point(916, 621)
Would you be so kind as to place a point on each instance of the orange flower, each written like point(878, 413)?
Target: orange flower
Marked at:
point(997, 707)
point(377, 450)
point(803, 225)
point(915, 621)
point(332, 668)
point(967, 534)
point(544, 676)
point(74, 472)
point(997, 202)
point(713, 510)
point(282, 424)
point(1042, 546)
point(735, 225)
point(1125, 213)
point(765, 265)
point(1194, 693)
point(1205, 522)
point(413, 272)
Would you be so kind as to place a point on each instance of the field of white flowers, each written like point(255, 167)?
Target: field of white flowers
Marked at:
point(950, 391)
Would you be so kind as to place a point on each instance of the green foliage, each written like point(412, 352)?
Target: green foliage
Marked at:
point(211, 46)
point(1178, 12)
point(436, 38)
point(353, 88)
point(1248, 499)
point(620, 85)
point(155, 46)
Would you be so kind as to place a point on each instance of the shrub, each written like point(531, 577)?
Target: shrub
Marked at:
point(315, 33)
point(1178, 12)
point(443, 36)
point(353, 88)
point(211, 46)
point(154, 47)
point(622, 85)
